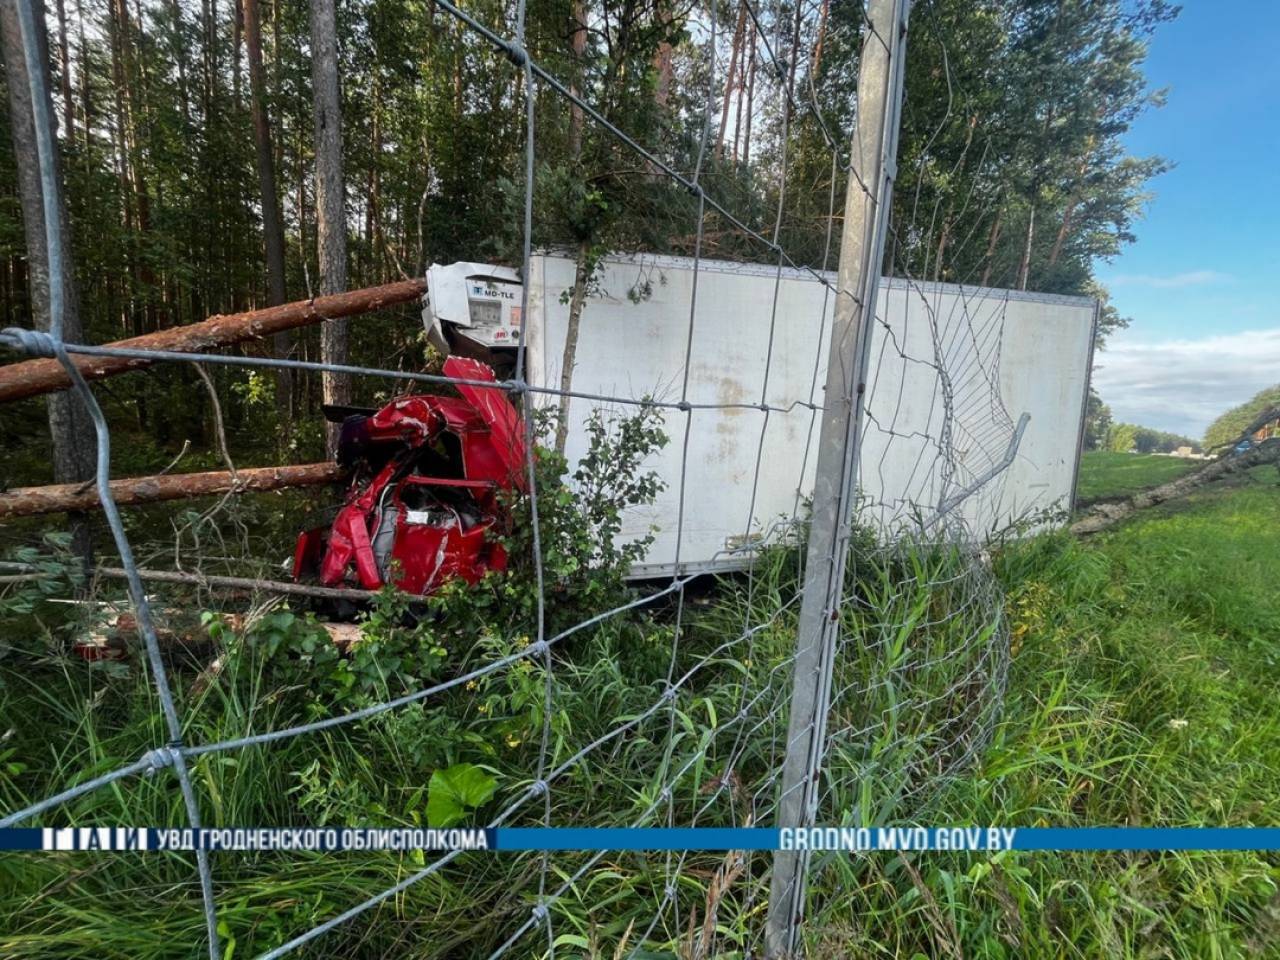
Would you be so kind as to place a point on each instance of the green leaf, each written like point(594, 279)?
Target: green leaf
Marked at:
point(455, 790)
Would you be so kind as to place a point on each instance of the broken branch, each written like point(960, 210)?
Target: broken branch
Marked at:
point(247, 583)
point(210, 580)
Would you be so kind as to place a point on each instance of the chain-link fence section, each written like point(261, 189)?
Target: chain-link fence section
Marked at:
point(864, 658)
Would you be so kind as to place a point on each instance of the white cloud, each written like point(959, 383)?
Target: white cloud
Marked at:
point(1190, 278)
point(1183, 385)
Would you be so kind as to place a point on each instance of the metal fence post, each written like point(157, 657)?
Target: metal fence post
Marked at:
point(866, 218)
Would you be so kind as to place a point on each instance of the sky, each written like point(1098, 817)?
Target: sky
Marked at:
point(1201, 285)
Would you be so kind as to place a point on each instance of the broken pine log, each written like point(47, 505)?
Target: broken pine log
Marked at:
point(213, 581)
point(1106, 514)
point(33, 377)
point(62, 497)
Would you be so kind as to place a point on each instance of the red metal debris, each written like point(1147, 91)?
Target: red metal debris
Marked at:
point(424, 506)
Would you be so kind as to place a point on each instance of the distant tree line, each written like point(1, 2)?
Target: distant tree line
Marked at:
point(1126, 437)
point(1101, 432)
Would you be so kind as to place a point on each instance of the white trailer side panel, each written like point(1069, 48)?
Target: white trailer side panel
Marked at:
point(941, 355)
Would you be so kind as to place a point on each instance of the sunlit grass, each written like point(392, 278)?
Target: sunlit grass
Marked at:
point(1141, 691)
point(1105, 475)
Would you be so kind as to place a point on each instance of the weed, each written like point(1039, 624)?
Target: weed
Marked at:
point(1140, 691)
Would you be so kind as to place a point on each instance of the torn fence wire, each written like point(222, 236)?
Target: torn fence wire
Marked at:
point(916, 673)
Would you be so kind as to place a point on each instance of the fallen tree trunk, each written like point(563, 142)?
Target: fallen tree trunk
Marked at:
point(33, 377)
point(247, 584)
point(32, 501)
point(1106, 514)
point(212, 581)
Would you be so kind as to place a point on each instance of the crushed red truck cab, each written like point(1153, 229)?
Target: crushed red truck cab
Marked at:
point(423, 506)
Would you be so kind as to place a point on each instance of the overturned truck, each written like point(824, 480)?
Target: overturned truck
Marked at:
point(974, 401)
point(974, 410)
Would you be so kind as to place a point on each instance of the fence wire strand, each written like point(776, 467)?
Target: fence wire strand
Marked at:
point(920, 662)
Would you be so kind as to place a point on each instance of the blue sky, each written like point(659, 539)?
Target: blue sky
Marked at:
point(1200, 284)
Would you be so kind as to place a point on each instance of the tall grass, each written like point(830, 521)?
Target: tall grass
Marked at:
point(1141, 690)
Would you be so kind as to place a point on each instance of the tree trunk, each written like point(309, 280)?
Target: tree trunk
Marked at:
point(300, 203)
point(740, 89)
point(793, 59)
point(822, 38)
point(1024, 267)
point(120, 143)
point(206, 60)
point(237, 32)
point(662, 67)
point(138, 101)
point(944, 237)
point(581, 277)
point(71, 430)
point(213, 581)
point(459, 65)
point(988, 256)
point(86, 105)
point(331, 222)
point(1063, 230)
point(34, 377)
point(131, 491)
point(578, 45)
point(64, 75)
point(272, 228)
point(180, 58)
point(1068, 214)
point(373, 210)
point(751, 96)
point(728, 82)
point(1104, 515)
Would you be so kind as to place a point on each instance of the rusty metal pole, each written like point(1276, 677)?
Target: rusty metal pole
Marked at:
point(34, 377)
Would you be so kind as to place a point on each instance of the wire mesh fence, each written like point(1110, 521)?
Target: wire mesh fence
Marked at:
point(906, 678)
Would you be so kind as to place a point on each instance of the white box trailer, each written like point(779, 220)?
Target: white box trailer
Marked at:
point(953, 370)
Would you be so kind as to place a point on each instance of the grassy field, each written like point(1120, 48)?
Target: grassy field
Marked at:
point(1141, 691)
point(1105, 475)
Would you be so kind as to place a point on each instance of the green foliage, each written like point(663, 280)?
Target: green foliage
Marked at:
point(1012, 131)
point(54, 572)
point(1139, 694)
point(46, 572)
point(394, 654)
point(1123, 437)
point(1097, 422)
point(609, 478)
point(580, 517)
point(1231, 424)
point(455, 791)
point(405, 645)
point(1013, 110)
point(1013, 135)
